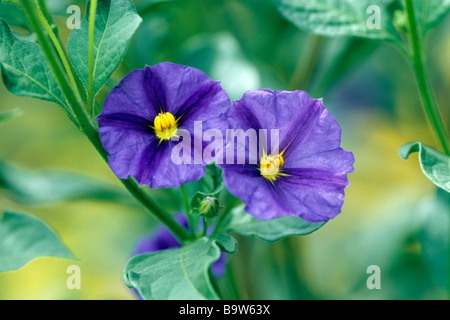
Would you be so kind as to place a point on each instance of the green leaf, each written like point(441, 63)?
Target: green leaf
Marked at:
point(13, 15)
point(10, 114)
point(226, 242)
point(115, 23)
point(435, 165)
point(25, 71)
point(177, 274)
point(268, 230)
point(24, 238)
point(340, 18)
point(431, 12)
point(49, 186)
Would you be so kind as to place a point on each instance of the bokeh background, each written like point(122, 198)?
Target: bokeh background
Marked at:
point(392, 216)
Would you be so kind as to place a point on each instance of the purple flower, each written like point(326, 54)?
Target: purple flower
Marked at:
point(299, 171)
point(163, 239)
point(146, 112)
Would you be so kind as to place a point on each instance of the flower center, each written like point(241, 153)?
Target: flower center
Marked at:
point(270, 166)
point(165, 126)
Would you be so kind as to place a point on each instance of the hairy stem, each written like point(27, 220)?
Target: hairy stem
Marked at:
point(423, 81)
point(44, 22)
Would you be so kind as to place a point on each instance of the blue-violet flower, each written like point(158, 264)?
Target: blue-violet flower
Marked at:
point(142, 116)
point(301, 170)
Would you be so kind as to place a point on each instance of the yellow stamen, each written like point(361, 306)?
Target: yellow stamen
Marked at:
point(165, 126)
point(270, 166)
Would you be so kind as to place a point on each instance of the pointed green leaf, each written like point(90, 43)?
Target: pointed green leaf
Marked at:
point(25, 71)
point(341, 18)
point(177, 274)
point(435, 165)
point(115, 23)
point(24, 238)
point(269, 230)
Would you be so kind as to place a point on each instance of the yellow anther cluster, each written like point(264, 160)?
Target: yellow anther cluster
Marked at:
point(165, 126)
point(270, 166)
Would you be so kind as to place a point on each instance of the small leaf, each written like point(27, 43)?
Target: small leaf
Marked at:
point(176, 274)
point(435, 165)
point(431, 12)
point(269, 230)
point(10, 114)
point(226, 242)
point(24, 238)
point(25, 71)
point(340, 18)
point(115, 23)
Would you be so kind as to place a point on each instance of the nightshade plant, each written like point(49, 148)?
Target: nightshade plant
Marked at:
point(295, 186)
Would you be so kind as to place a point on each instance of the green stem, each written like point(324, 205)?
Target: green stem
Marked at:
point(205, 226)
point(423, 81)
point(80, 89)
point(86, 125)
point(31, 11)
point(188, 211)
point(426, 93)
point(44, 22)
point(90, 98)
point(48, 16)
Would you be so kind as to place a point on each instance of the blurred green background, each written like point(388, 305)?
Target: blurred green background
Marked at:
point(391, 216)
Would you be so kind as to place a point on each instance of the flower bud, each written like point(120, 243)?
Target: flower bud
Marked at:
point(400, 21)
point(209, 207)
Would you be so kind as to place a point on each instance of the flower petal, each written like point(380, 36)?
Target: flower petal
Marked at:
point(130, 96)
point(186, 92)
